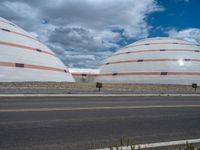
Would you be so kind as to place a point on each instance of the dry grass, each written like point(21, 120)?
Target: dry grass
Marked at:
point(106, 86)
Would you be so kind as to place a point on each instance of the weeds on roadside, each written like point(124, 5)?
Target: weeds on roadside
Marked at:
point(133, 147)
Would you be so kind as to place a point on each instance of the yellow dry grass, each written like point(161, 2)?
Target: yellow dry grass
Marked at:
point(88, 86)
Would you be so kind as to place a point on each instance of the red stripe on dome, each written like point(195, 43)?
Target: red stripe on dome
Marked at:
point(131, 73)
point(152, 73)
point(155, 43)
point(25, 47)
point(7, 64)
point(18, 33)
point(160, 50)
point(184, 73)
point(32, 66)
point(150, 60)
point(141, 73)
point(81, 74)
point(10, 23)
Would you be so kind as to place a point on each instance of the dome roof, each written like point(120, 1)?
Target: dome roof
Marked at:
point(154, 61)
point(24, 58)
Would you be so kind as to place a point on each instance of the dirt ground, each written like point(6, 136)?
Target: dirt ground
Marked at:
point(55, 87)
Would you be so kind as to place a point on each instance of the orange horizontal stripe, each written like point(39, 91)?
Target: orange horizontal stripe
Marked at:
point(7, 64)
point(131, 73)
point(24, 47)
point(155, 43)
point(151, 60)
point(42, 67)
point(7, 22)
point(184, 73)
point(152, 73)
point(139, 51)
point(165, 50)
point(32, 66)
point(81, 74)
point(141, 73)
point(18, 33)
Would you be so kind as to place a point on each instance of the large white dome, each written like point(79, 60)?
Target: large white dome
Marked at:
point(24, 58)
point(154, 61)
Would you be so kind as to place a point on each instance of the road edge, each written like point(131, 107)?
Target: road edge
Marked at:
point(95, 95)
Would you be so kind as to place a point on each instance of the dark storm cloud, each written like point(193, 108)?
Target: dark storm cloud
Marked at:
point(74, 36)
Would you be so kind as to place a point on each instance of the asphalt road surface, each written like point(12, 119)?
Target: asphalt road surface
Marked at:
point(93, 122)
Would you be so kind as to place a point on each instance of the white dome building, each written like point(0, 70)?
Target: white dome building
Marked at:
point(154, 61)
point(24, 58)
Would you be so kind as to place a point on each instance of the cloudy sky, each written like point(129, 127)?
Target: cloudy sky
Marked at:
point(85, 32)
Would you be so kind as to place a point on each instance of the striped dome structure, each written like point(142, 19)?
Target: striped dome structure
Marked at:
point(24, 58)
point(154, 61)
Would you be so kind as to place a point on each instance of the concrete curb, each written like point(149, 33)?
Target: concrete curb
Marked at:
point(94, 95)
point(156, 145)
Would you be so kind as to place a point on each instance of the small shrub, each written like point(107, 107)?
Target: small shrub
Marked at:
point(111, 148)
point(132, 147)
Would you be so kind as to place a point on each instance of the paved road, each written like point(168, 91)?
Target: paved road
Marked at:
point(93, 122)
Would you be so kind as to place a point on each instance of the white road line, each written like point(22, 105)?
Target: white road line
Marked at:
point(92, 95)
point(95, 108)
point(160, 144)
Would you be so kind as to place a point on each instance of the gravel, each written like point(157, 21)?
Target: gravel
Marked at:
point(90, 88)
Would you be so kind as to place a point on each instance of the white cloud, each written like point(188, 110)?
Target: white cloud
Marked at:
point(190, 34)
point(22, 10)
point(81, 28)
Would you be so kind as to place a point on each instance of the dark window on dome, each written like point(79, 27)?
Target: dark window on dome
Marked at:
point(114, 74)
point(5, 30)
point(84, 75)
point(140, 60)
point(187, 59)
point(19, 65)
point(163, 73)
point(12, 24)
point(162, 49)
point(39, 50)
